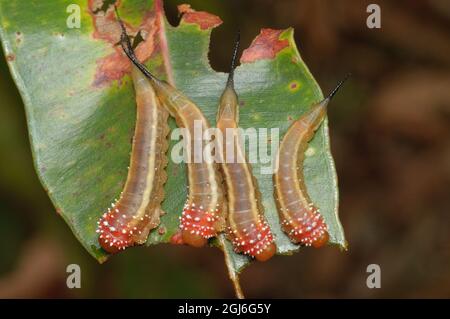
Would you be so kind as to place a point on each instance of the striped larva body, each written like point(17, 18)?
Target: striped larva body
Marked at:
point(247, 227)
point(130, 219)
point(203, 214)
point(300, 218)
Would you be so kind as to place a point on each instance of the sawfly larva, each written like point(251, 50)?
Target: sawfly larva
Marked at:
point(247, 228)
point(300, 218)
point(130, 219)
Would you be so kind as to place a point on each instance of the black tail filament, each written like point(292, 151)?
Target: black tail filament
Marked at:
point(128, 48)
point(338, 86)
point(230, 82)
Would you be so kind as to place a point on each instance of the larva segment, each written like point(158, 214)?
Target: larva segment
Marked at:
point(247, 228)
point(198, 225)
point(300, 218)
point(203, 214)
point(130, 219)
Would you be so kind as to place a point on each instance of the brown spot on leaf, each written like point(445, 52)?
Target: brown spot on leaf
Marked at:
point(204, 20)
point(294, 86)
point(295, 60)
point(10, 57)
point(106, 28)
point(19, 37)
point(265, 46)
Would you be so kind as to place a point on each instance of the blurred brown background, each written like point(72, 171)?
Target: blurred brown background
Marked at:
point(390, 136)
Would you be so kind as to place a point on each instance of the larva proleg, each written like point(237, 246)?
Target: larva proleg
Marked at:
point(203, 214)
point(247, 227)
point(300, 218)
point(130, 219)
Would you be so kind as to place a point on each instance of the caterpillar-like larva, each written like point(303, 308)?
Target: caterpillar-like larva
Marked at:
point(300, 218)
point(130, 219)
point(247, 228)
point(203, 214)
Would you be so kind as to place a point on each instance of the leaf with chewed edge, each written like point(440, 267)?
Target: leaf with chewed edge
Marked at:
point(81, 111)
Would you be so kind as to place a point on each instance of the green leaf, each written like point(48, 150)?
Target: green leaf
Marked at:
point(81, 111)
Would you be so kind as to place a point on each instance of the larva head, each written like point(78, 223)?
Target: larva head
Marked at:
point(112, 236)
point(310, 229)
point(197, 225)
point(321, 240)
point(193, 239)
point(266, 253)
point(255, 240)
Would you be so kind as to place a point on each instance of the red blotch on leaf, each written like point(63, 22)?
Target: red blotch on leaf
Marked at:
point(106, 28)
point(204, 20)
point(265, 46)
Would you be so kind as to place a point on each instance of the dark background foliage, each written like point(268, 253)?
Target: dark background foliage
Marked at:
point(390, 129)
